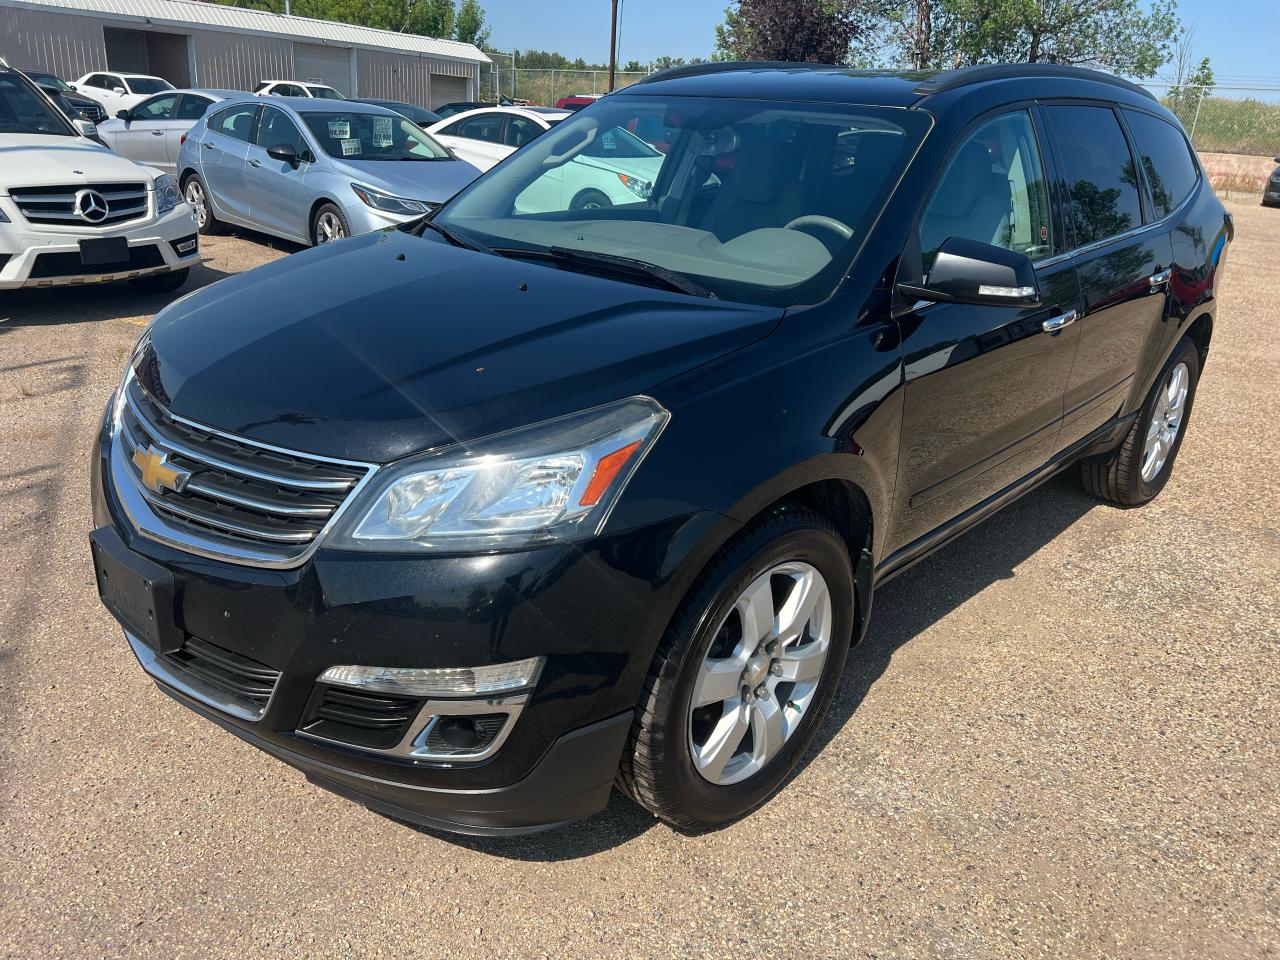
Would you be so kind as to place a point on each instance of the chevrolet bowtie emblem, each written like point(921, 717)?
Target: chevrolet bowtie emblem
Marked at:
point(157, 474)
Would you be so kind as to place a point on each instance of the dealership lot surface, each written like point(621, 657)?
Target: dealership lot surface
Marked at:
point(1061, 737)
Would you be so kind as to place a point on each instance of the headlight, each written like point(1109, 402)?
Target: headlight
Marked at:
point(167, 195)
point(641, 188)
point(551, 482)
point(387, 203)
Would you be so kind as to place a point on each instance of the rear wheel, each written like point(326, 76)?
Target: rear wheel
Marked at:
point(195, 194)
point(1138, 469)
point(329, 225)
point(744, 675)
point(161, 282)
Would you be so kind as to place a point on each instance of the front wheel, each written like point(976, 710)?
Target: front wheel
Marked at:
point(194, 192)
point(329, 225)
point(744, 675)
point(591, 199)
point(1138, 469)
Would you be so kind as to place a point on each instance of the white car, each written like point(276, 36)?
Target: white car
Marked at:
point(152, 131)
point(295, 88)
point(614, 169)
point(73, 212)
point(489, 135)
point(119, 91)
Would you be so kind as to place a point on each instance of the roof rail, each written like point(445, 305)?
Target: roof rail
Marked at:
point(730, 66)
point(965, 76)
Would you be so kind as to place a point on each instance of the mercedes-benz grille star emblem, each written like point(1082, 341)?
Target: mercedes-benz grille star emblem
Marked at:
point(91, 207)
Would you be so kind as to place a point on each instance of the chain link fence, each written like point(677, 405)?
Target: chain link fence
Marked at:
point(544, 87)
point(1227, 119)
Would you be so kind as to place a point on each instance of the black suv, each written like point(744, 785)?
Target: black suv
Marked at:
point(473, 520)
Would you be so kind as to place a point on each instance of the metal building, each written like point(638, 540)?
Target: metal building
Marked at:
point(192, 43)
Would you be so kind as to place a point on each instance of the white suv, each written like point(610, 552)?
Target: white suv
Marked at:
point(293, 88)
point(73, 212)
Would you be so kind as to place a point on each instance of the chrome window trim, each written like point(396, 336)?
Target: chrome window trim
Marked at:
point(146, 522)
point(413, 745)
point(155, 667)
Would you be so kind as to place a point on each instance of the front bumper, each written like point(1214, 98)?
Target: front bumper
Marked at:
point(595, 612)
point(154, 249)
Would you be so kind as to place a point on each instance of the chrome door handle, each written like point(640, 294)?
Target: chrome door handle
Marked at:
point(255, 162)
point(157, 133)
point(1158, 280)
point(1060, 322)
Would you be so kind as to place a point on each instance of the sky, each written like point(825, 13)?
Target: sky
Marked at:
point(1239, 36)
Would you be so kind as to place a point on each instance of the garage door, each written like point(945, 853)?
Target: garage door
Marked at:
point(331, 65)
point(447, 89)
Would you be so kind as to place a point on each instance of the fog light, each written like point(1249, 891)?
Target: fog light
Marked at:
point(462, 736)
point(440, 682)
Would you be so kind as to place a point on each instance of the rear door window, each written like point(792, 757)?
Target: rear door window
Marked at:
point(1166, 160)
point(235, 122)
point(520, 130)
point(1099, 172)
point(486, 127)
point(191, 107)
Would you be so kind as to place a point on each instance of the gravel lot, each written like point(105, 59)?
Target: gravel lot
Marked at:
point(1059, 740)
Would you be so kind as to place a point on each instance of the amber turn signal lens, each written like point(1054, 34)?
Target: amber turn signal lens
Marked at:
point(606, 470)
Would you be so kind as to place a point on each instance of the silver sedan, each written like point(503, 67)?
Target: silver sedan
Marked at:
point(151, 133)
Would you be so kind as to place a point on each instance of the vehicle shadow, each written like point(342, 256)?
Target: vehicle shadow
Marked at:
point(904, 609)
point(93, 303)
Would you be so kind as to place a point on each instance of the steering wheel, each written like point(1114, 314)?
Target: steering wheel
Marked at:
point(842, 230)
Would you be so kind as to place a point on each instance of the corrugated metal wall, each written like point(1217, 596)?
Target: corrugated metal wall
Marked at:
point(52, 42)
point(235, 62)
point(72, 45)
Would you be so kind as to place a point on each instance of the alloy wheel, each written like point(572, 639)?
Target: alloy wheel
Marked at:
point(195, 197)
point(761, 673)
point(1166, 421)
point(329, 228)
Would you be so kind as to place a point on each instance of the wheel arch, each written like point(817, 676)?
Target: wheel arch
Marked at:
point(1200, 331)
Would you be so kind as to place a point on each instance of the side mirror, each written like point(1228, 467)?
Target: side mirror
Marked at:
point(969, 271)
point(285, 153)
point(120, 90)
point(123, 115)
point(85, 128)
point(73, 86)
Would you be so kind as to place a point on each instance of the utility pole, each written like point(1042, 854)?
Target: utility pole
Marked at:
point(613, 47)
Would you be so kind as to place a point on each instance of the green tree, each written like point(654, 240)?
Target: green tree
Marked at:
point(800, 31)
point(469, 25)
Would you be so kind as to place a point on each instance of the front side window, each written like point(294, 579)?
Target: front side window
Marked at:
point(157, 108)
point(347, 135)
point(276, 129)
point(1166, 160)
point(759, 201)
point(23, 110)
point(486, 127)
point(993, 191)
point(235, 122)
point(1098, 170)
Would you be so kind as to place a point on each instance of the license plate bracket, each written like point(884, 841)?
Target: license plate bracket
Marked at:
point(104, 252)
point(138, 593)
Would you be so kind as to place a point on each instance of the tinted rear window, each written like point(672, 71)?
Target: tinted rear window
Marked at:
point(1166, 159)
point(1099, 171)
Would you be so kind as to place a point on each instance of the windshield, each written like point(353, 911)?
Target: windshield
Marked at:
point(148, 85)
point(759, 201)
point(22, 110)
point(325, 93)
point(48, 80)
point(372, 136)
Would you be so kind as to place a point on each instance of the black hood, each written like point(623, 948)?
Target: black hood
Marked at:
point(387, 344)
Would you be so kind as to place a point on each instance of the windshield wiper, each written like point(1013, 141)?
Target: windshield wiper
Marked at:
point(426, 223)
point(610, 263)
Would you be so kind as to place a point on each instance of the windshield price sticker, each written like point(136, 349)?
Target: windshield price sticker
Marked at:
point(350, 148)
point(382, 136)
point(339, 129)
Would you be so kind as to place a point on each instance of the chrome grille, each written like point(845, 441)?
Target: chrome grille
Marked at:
point(95, 114)
point(56, 205)
point(234, 491)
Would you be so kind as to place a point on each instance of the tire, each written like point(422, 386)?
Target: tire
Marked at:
point(1125, 476)
point(591, 200)
point(328, 225)
point(197, 194)
point(660, 765)
point(161, 282)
